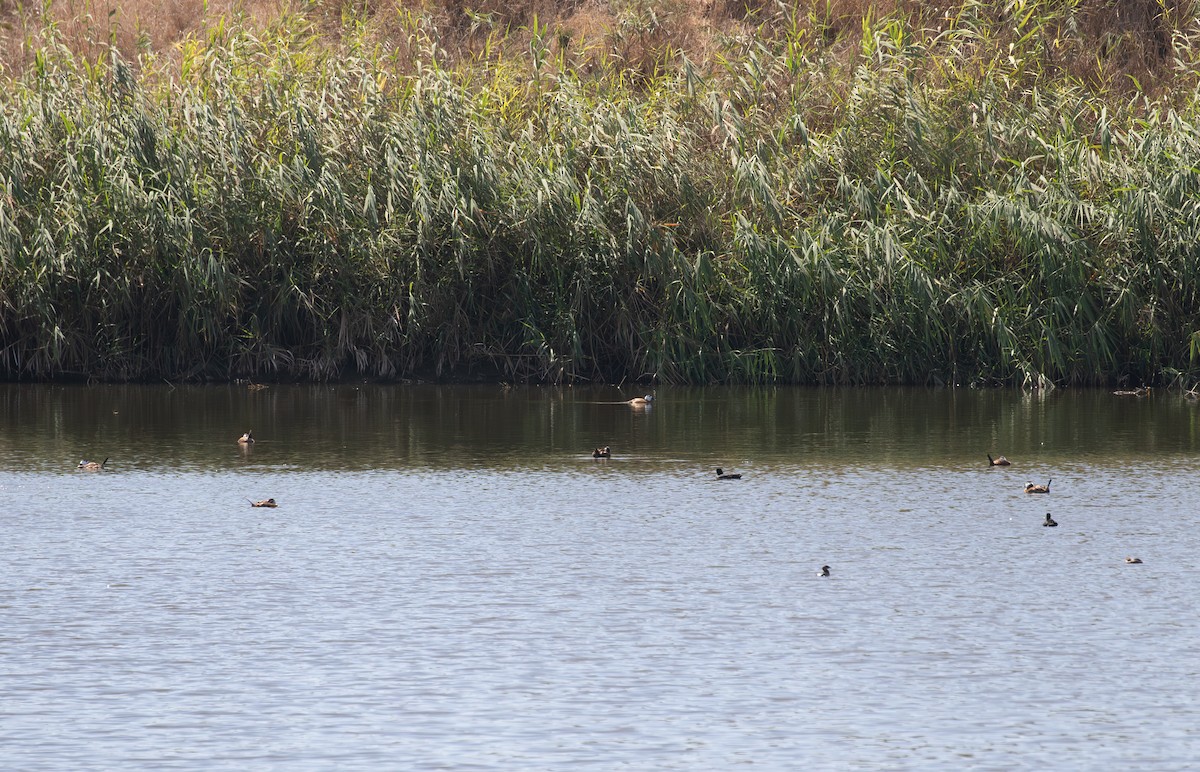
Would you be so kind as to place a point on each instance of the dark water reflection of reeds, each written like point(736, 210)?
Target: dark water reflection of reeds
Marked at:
point(445, 427)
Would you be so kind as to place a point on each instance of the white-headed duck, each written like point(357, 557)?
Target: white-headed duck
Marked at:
point(1000, 461)
point(270, 503)
point(722, 476)
point(1049, 522)
point(646, 400)
point(1133, 560)
point(602, 452)
point(92, 466)
point(1031, 488)
point(246, 439)
point(824, 571)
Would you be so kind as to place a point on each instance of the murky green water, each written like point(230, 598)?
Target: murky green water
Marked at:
point(379, 427)
point(451, 581)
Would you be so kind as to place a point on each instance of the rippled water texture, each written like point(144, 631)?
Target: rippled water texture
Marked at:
point(450, 581)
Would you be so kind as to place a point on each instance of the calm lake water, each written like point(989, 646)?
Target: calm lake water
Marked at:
point(450, 581)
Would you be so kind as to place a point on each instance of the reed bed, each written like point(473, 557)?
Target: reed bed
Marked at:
point(925, 211)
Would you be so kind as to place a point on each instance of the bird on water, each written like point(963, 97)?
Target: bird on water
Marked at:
point(824, 571)
point(1031, 488)
point(722, 476)
point(1049, 522)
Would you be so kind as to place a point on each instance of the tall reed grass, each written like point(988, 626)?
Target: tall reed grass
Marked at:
point(938, 208)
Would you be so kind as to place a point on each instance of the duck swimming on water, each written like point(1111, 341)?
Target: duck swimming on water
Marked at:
point(602, 452)
point(645, 401)
point(999, 461)
point(246, 438)
point(824, 571)
point(270, 503)
point(722, 476)
point(92, 466)
point(1133, 560)
point(1049, 522)
point(1031, 488)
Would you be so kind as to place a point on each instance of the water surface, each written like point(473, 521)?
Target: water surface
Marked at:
point(452, 582)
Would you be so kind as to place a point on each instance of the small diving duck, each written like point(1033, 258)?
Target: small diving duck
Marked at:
point(92, 466)
point(722, 476)
point(1001, 461)
point(1133, 560)
point(602, 452)
point(1031, 488)
point(1049, 522)
point(646, 400)
point(824, 571)
point(270, 503)
point(246, 439)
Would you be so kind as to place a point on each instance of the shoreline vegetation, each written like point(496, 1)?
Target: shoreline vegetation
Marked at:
point(956, 193)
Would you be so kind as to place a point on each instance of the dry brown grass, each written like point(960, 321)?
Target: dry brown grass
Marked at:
point(136, 26)
point(1107, 43)
point(88, 26)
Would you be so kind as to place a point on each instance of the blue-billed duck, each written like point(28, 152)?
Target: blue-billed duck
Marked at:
point(1031, 488)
